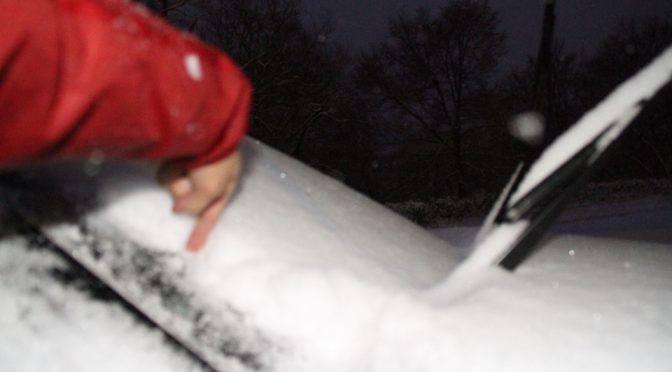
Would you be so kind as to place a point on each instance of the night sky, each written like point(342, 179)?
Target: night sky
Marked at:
point(580, 23)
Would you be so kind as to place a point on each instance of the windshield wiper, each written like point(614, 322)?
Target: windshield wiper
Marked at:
point(533, 200)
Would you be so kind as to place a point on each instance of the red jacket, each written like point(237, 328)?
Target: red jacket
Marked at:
point(105, 76)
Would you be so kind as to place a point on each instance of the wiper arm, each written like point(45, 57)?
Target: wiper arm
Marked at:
point(542, 205)
point(531, 202)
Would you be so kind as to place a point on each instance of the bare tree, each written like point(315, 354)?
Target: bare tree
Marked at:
point(297, 74)
point(432, 72)
point(302, 97)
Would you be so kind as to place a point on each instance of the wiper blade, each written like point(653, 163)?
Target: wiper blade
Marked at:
point(530, 203)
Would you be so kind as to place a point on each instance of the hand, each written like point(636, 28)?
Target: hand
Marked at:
point(204, 192)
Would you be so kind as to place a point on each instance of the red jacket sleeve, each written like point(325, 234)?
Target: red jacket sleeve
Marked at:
point(105, 76)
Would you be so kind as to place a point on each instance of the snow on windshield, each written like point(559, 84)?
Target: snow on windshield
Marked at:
point(46, 325)
point(339, 284)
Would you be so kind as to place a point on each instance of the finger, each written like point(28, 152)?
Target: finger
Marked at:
point(209, 183)
point(206, 222)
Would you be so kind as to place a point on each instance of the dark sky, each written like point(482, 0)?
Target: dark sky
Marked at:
point(580, 23)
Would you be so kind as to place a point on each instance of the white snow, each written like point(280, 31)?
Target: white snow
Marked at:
point(193, 65)
point(492, 247)
point(617, 110)
point(341, 284)
point(47, 326)
point(302, 218)
point(528, 127)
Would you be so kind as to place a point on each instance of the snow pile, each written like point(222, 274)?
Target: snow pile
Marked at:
point(341, 284)
point(295, 253)
point(284, 212)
